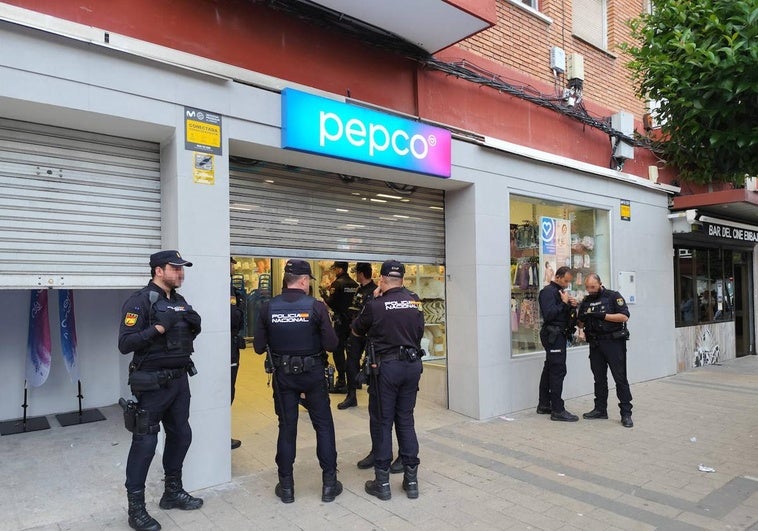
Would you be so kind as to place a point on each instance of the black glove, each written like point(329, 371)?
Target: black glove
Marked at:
point(193, 318)
point(595, 315)
point(167, 319)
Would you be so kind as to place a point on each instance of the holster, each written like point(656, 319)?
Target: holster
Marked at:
point(553, 332)
point(136, 419)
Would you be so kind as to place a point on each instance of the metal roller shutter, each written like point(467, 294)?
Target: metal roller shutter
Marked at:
point(77, 209)
point(282, 211)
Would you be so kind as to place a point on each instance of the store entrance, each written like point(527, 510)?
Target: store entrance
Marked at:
point(261, 278)
point(743, 304)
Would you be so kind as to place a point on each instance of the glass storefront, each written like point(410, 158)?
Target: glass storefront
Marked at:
point(705, 288)
point(262, 277)
point(546, 235)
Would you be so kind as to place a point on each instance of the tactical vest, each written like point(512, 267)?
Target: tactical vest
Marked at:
point(291, 328)
point(602, 303)
point(177, 341)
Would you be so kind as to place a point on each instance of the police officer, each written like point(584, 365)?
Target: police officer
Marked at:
point(295, 330)
point(394, 323)
point(237, 319)
point(356, 344)
point(556, 307)
point(159, 326)
point(603, 314)
point(338, 297)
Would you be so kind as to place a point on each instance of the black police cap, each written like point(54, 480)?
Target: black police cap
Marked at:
point(161, 258)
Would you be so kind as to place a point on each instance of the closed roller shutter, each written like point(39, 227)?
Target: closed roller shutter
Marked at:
point(77, 209)
point(283, 211)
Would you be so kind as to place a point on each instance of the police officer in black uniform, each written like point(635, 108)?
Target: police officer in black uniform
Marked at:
point(159, 326)
point(338, 297)
point(603, 314)
point(355, 344)
point(237, 320)
point(556, 307)
point(296, 331)
point(394, 323)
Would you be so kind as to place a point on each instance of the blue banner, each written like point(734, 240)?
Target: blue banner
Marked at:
point(38, 340)
point(68, 332)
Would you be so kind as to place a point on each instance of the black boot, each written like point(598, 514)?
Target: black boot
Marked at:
point(340, 386)
point(410, 482)
point(285, 489)
point(331, 487)
point(380, 485)
point(366, 462)
point(139, 519)
point(175, 497)
point(397, 465)
point(350, 400)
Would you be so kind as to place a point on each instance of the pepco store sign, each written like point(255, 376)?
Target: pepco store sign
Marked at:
point(327, 127)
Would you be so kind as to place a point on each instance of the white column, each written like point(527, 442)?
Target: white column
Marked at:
point(195, 220)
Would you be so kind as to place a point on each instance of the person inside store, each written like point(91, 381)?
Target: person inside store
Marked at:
point(556, 306)
point(159, 327)
point(393, 323)
point(237, 320)
point(338, 297)
point(355, 344)
point(294, 331)
point(603, 314)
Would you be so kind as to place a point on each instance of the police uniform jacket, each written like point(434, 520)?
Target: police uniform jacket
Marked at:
point(364, 294)
point(237, 301)
point(554, 311)
point(138, 334)
point(294, 323)
point(341, 293)
point(605, 301)
point(391, 321)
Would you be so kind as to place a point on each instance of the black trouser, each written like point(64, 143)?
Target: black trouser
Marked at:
point(604, 354)
point(355, 348)
point(392, 400)
point(553, 372)
point(169, 405)
point(235, 364)
point(338, 355)
point(287, 389)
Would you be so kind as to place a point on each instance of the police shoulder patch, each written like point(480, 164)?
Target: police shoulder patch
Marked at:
point(620, 301)
point(233, 300)
point(130, 319)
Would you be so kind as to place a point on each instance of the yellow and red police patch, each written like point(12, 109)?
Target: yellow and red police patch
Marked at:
point(130, 319)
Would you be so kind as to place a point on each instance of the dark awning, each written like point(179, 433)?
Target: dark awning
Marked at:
point(738, 205)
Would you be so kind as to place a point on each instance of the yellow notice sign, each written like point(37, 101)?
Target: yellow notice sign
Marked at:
point(203, 168)
point(625, 208)
point(202, 131)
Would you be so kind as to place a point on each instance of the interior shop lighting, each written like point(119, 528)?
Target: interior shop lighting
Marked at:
point(436, 208)
point(385, 218)
point(290, 221)
point(400, 216)
point(378, 200)
point(341, 210)
point(405, 200)
point(389, 196)
point(245, 208)
point(270, 181)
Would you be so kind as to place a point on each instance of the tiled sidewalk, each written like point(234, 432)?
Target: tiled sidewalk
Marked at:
point(519, 472)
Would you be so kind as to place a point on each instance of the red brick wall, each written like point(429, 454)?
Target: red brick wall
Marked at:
point(522, 41)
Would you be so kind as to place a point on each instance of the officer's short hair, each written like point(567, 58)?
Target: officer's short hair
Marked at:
point(593, 276)
point(291, 278)
point(562, 271)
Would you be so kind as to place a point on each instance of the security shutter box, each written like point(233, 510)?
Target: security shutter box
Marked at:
point(77, 209)
point(286, 211)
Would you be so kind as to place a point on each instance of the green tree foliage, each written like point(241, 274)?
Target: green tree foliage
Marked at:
point(699, 58)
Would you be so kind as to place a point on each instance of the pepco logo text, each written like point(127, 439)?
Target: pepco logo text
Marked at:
point(375, 137)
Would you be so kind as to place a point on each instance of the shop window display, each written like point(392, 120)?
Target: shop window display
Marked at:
point(704, 285)
point(546, 235)
point(262, 279)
